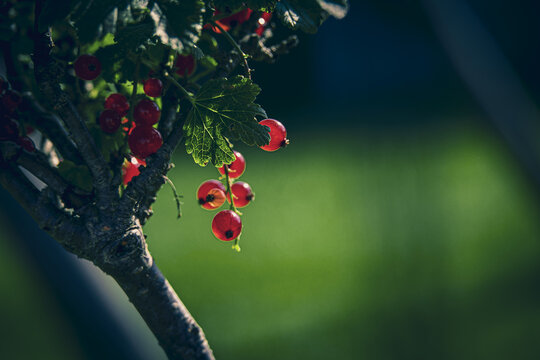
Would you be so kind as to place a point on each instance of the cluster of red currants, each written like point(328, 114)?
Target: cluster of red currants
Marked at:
point(211, 194)
point(143, 139)
point(9, 126)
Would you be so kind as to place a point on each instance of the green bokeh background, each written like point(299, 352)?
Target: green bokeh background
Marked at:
point(395, 226)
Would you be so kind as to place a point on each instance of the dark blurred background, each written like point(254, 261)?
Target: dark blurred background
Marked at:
point(401, 223)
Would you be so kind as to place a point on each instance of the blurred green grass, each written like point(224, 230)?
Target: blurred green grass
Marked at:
point(421, 244)
point(366, 244)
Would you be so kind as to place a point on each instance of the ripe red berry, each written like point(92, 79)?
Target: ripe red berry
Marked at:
point(9, 129)
point(231, 21)
point(118, 103)
point(146, 112)
point(226, 225)
point(87, 67)
point(144, 140)
point(153, 87)
point(263, 22)
point(109, 121)
point(236, 168)
point(11, 101)
point(185, 65)
point(26, 143)
point(130, 169)
point(242, 194)
point(210, 194)
point(278, 135)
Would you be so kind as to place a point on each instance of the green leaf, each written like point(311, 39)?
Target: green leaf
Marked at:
point(308, 15)
point(54, 11)
point(178, 23)
point(76, 175)
point(133, 35)
point(305, 15)
point(108, 144)
point(90, 15)
point(223, 109)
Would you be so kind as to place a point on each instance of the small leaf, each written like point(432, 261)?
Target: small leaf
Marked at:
point(304, 15)
point(178, 23)
point(91, 14)
point(223, 109)
point(76, 175)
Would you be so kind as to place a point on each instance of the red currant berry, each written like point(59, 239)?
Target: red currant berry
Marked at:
point(231, 21)
point(278, 135)
point(263, 22)
point(153, 87)
point(185, 65)
point(9, 129)
point(11, 100)
point(26, 143)
point(144, 140)
point(118, 103)
point(207, 194)
point(242, 194)
point(130, 169)
point(226, 225)
point(236, 168)
point(109, 121)
point(146, 112)
point(87, 67)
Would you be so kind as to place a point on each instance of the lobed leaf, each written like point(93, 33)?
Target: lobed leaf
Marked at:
point(223, 109)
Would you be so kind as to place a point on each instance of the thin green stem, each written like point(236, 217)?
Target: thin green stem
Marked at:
point(176, 196)
point(235, 45)
point(187, 94)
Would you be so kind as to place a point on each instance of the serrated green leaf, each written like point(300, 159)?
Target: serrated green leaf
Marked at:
point(223, 109)
point(54, 11)
point(76, 175)
point(178, 23)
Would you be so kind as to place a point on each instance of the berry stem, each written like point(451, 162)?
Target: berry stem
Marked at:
point(176, 196)
point(187, 94)
point(228, 180)
point(236, 46)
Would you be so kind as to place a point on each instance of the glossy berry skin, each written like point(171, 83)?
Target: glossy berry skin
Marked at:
point(208, 188)
point(109, 121)
point(130, 169)
point(226, 225)
point(242, 194)
point(236, 168)
point(278, 135)
point(185, 65)
point(118, 103)
point(263, 22)
point(144, 140)
point(153, 87)
point(87, 67)
point(146, 112)
point(27, 144)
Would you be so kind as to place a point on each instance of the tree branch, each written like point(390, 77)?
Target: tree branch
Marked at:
point(47, 73)
point(67, 230)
